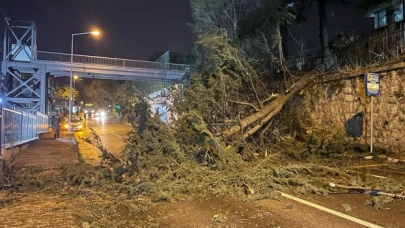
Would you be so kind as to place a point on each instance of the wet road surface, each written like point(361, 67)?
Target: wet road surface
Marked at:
point(111, 131)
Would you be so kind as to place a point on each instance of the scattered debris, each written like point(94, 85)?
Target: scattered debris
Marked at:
point(347, 207)
point(289, 206)
point(219, 218)
point(370, 191)
point(379, 202)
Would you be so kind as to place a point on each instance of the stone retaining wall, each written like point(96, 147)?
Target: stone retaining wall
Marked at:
point(344, 105)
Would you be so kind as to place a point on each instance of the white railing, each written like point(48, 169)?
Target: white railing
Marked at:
point(20, 126)
point(112, 62)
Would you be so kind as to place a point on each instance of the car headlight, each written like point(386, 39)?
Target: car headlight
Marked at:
point(66, 125)
point(85, 111)
point(92, 111)
point(102, 113)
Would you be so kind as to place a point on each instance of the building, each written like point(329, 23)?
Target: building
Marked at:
point(387, 13)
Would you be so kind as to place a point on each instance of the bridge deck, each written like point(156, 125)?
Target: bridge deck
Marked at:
point(59, 64)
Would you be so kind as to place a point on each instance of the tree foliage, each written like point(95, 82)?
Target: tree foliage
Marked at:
point(368, 4)
point(227, 78)
point(268, 17)
point(213, 15)
point(62, 92)
point(100, 91)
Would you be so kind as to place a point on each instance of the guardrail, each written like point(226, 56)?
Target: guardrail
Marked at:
point(18, 127)
point(114, 62)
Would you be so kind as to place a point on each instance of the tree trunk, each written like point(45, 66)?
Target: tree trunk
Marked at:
point(268, 111)
point(284, 39)
point(323, 31)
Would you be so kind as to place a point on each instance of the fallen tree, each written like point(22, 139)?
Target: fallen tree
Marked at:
point(265, 114)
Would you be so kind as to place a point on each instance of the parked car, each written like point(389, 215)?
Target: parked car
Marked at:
point(76, 124)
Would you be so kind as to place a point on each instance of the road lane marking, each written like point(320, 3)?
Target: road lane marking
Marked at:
point(115, 134)
point(330, 211)
point(102, 127)
point(120, 125)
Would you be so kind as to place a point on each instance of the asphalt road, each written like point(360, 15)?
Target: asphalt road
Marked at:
point(110, 130)
point(286, 212)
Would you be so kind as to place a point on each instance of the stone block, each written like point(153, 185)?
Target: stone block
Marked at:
point(390, 100)
point(347, 89)
point(392, 109)
point(348, 97)
point(396, 134)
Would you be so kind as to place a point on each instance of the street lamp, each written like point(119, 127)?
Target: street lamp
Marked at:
point(94, 33)
point(74, 81)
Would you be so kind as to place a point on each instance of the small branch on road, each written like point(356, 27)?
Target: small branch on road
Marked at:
point(368, 191)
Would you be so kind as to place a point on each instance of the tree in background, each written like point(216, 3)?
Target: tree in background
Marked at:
point(101, 91)
point(323, 27)
point(273, 16)
point(193, 57)
point(62, 92)
point(213, 15)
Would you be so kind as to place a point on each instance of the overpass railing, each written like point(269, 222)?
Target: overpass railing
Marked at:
point(112, 62)
point(18, 127)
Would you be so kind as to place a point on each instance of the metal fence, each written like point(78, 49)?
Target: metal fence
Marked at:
point(377, 47)
point(20, 126)
point(114, 62)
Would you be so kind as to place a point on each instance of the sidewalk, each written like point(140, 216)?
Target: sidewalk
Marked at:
point(49, 153)
point(41, 209)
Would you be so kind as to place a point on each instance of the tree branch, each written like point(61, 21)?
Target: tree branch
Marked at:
point(262, 122)
point(245, 103)
point(272, 96)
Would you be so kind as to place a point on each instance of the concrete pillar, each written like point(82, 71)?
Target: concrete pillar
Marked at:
point(43, 98)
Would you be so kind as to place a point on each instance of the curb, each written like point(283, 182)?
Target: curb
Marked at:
point(74, 141)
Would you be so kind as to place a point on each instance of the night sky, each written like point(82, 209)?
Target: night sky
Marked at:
point(131, 29)
point(134, 29)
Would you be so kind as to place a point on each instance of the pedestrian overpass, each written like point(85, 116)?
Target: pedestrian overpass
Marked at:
point(27, 72)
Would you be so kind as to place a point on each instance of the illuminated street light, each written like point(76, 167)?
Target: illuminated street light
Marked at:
point(94, 33)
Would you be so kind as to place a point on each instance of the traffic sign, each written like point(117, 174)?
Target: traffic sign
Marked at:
point(372, 84)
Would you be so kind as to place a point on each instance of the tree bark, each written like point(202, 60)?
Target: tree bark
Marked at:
point(268, 111)
point(323, 31)
point(284, 39)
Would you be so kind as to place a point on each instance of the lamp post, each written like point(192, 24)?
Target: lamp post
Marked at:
point(95, 33)
point(74, 81)
point(74, 88)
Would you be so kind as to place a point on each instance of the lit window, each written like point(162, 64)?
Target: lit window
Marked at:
point(382, 18)
point(399, 12)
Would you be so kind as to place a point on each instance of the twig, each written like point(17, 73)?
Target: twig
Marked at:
point(245, 103)
point(258, 198)
point(272, 96)
point(369, 191)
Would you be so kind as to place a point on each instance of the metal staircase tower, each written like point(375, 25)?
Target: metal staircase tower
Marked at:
point(23, 84)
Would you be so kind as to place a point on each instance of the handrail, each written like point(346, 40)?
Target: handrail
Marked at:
point(18, 127)
point(108, 61)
